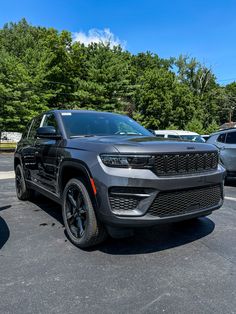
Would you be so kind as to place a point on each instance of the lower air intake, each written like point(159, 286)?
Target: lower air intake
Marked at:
point(180, 202)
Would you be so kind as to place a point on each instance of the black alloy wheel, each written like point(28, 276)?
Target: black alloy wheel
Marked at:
point(76, 211)
point(82, 226)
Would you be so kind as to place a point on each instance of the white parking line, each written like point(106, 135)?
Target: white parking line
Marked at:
point(230, 198)
point(7, 175)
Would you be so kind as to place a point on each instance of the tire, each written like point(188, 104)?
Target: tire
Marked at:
point(22, 192)
point(82, 227)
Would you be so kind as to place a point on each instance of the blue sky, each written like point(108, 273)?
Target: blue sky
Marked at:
point(202, 29)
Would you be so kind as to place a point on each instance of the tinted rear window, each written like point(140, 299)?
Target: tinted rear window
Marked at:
point(221, 138)
point(231, 138)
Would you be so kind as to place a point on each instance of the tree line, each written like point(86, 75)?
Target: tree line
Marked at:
point(42, 68)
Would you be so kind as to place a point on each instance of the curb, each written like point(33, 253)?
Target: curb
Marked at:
point(7, 150)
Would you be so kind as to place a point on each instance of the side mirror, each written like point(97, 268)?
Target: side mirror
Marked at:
point(47, 132)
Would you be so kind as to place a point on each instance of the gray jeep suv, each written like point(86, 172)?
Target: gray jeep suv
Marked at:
point(111, 175)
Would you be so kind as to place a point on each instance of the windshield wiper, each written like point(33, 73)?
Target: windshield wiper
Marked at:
point(82, 135)
point(129, 133)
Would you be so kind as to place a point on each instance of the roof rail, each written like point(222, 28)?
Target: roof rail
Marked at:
point(232, 128)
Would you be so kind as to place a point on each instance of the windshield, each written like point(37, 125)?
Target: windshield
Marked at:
point(100, 124)
point(192, 138)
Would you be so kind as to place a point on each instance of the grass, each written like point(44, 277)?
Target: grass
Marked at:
point(7, 145)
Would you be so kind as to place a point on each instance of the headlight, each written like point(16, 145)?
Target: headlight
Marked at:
point(128, 161)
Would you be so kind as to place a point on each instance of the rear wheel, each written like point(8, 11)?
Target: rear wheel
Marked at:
point(23, 193)
point(82, 226)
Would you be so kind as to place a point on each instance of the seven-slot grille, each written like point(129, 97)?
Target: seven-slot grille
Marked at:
point(180, 202)
point(185, 163)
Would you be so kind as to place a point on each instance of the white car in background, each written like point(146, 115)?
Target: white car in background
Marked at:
point(179, 134)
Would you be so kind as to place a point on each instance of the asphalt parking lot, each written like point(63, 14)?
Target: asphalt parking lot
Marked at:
point(186, 267)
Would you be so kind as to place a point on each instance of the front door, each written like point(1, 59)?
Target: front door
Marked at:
point(46, 156)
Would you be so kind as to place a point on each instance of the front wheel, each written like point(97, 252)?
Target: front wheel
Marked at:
point(82, 227)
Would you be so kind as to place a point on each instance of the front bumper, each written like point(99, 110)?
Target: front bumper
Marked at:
point(146, 182)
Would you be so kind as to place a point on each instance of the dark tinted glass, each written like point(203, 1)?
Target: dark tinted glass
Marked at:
point(35, 124)
point(221, 138)
point(89, 123)
point(231, 138)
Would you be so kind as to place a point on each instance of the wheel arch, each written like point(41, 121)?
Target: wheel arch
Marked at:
point(17, 161)
point(76, 169)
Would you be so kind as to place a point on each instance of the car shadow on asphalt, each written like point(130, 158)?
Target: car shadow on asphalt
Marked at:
point(47, 205)
point(159, 238)
point(230, 182)
point(4, 232)
point(145, 240)
point(5, 207)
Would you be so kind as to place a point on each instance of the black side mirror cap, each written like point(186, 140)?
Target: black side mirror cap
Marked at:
point(47, 132)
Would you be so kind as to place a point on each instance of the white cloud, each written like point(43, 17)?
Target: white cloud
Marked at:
point(98, 36)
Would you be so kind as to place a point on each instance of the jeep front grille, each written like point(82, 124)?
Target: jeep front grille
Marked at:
point(185, 163)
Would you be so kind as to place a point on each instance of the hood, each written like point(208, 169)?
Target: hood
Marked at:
point(139, 144)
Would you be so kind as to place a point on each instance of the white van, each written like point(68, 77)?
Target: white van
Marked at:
point(179, 134)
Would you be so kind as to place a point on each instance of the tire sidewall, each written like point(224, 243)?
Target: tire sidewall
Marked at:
point(91, 222)
point(21, 195)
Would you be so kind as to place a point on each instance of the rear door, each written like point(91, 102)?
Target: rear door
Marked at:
point(228, 151)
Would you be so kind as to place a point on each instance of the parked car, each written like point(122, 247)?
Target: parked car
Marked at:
point(225, 141)
point(205, 136)
point(179, 134)
point(111, 175)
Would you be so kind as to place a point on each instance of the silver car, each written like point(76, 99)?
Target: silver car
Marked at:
point(225, 141)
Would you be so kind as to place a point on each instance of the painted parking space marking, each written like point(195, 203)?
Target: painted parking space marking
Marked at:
point(7, 175)
point(230, 198)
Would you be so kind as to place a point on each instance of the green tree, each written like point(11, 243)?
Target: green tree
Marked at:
point(42, 68)
point(195, 125)
point(106, 84)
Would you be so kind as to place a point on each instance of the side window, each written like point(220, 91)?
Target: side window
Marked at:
point(34, 125)
point(231, 138)
point(221, 138)
point(50, 120)
point(160, 135)
point(26, 131)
